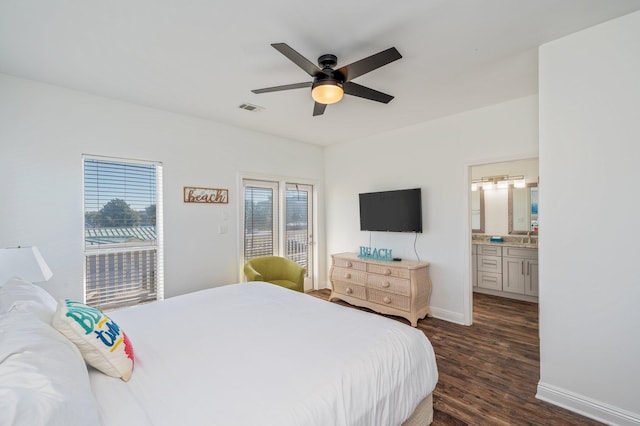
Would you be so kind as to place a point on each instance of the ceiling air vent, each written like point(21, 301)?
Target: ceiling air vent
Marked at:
point(250, 107)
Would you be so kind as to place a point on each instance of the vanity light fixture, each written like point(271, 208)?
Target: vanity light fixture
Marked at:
point(499, 181)
point(520, 183)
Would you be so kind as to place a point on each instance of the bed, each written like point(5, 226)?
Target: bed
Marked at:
point(254, 353)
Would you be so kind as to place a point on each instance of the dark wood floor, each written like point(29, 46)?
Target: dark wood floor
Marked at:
point(488, 372)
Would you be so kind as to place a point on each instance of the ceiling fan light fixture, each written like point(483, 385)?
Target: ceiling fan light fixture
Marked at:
point(330, 84)
point(327, 92)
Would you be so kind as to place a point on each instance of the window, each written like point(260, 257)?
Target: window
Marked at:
point(122, 232)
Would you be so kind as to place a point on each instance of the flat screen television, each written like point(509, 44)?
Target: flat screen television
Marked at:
point(391, 211)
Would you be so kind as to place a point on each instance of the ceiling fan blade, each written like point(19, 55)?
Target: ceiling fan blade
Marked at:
point(354, 89)
point(363, 66)
point(284, 87)
point(308, 66)
point(318, 109)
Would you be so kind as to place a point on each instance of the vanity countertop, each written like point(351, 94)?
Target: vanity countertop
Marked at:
point(508, 242)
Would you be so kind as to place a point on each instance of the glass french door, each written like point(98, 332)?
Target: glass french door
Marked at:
point(278, 221)
point(260, 219)
point(298, 230)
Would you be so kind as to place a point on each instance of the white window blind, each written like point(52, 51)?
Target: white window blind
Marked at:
point(123, 232)
point(297, 224)
point(260, 219)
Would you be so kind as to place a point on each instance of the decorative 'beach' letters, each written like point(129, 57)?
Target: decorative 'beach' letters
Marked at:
point(206, 195)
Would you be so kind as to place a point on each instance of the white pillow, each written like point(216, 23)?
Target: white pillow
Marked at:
point(102, 343)
point(43, 378)
point(23, 296)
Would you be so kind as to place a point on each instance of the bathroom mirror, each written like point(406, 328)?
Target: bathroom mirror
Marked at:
point(523, 209)
point(477, 211)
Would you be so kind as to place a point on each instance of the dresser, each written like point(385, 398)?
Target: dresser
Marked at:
point(396, 288)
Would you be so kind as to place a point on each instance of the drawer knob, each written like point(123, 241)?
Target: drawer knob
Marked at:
point(387, 272)
point(349, 290)
point(347, 275)
point(386, 299)
point(386, 284)
point(349, 264)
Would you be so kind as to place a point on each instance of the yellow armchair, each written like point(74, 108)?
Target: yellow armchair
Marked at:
point(276, 270)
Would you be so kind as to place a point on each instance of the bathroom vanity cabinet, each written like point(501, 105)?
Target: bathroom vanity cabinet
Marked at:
point(489, 267)
point(505, 270)
point(520, 270)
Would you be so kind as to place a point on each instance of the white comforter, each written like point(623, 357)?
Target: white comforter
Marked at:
point(258, 354)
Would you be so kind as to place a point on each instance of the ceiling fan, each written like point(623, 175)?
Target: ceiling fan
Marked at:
point(329, 84)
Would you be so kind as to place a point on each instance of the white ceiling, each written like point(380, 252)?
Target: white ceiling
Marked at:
point(203, 57)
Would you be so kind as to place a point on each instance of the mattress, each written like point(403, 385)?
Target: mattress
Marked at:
point(255, 353)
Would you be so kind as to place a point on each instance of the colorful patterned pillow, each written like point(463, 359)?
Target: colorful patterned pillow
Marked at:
point(102, 343)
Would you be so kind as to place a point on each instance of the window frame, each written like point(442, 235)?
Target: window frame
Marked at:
point(140, 246)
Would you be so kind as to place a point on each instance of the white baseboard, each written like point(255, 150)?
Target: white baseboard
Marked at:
point(450, 316)
point(587, 407)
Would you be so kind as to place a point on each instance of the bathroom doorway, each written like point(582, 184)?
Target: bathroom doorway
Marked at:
point(504, 229)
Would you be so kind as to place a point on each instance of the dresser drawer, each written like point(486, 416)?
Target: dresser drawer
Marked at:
point(389, 271)
point(349, 289)
point(384, 298)
point(351, 264)
point(349, 275)
point(390, 284)
point(490, 264)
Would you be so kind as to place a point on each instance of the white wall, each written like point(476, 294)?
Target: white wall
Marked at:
point(436, 157)
point(589, 246)
point(44, 130)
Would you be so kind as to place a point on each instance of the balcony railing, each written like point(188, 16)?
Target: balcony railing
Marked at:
point(121, 278)
point(298, 247)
